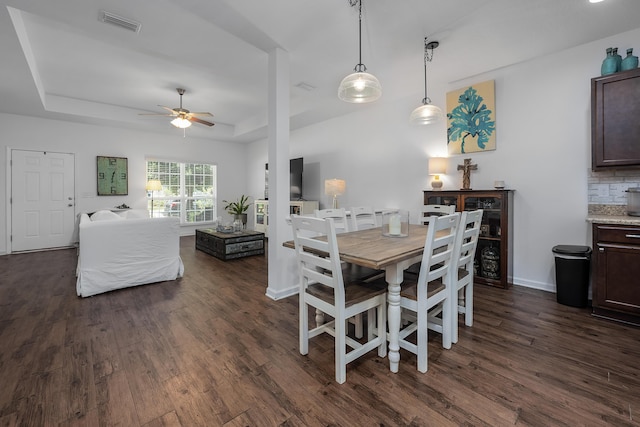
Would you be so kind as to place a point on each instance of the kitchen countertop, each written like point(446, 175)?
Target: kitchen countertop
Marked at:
point(614, 219)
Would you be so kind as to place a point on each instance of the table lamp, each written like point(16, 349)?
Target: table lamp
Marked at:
point(153, 185)
point(334, 187)
point(437, 166)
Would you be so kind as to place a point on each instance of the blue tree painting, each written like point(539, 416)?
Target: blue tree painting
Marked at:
point(471, 121)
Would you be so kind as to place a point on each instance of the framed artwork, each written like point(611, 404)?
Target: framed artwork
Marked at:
point(471, 118)
point(113, 176)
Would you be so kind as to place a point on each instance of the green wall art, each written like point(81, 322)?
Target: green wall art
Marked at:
point(471, 123)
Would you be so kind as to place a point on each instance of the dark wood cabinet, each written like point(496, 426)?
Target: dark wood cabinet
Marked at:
point(615, 128)
point(616, 278)
point(494, 261)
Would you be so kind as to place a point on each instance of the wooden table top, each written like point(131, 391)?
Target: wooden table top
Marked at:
point(369, 248)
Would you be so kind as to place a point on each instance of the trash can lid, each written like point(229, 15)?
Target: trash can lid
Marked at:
point(571, 250)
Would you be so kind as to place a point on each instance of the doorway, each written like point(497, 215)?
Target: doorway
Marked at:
point(42, 200)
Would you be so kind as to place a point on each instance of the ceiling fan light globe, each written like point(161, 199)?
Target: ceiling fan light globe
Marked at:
point(359, 87)
point(181, 123)
point(426, 114)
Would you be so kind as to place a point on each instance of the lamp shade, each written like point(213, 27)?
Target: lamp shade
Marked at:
point(181, 122)
point(334, 187)
point(359, 87)
point(437, 165)
point(426, 114)
point(153, 185)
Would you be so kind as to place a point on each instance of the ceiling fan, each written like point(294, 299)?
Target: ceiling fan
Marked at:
point(182, 117)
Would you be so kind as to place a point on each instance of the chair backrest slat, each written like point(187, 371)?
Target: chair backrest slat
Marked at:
point(318, 257)
point(438, 210)
point(438, 249)
point(467, 239)
point(362, 217)
point(339, 217)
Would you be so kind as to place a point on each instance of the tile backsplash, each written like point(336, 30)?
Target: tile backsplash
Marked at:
point(609, 187)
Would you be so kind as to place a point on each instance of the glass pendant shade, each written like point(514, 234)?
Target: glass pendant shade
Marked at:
point(359, 87)
point(181, 122)
point(426, 114)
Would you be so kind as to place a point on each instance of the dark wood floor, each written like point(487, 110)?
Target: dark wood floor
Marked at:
point(211, 349)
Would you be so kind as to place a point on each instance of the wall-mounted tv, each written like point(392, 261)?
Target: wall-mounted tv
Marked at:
point(295, 179)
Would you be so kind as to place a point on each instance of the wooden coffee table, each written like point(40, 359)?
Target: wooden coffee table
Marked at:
point(230, 245)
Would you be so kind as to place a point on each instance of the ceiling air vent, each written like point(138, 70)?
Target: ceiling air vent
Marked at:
point(119, 21)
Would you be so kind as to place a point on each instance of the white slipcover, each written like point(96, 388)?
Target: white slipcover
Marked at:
point(116, 254)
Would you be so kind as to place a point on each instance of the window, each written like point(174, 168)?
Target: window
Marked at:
point(188, 191)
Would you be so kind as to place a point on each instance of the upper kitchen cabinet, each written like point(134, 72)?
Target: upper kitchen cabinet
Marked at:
point(615, 123)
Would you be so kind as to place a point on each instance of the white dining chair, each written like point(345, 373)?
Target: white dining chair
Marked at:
point(339, 217)
point(431, 291)
point(464, 253)
point(438, 210)
point(353, 272)
point(362, 217)
point(323, 287)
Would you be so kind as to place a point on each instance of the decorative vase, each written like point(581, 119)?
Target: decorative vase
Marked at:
point(609, 64)
point(490, 262)
point(630, 62)
point(617, 57)
point(242, 218)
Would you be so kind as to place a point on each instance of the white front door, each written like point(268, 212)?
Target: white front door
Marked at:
point(42, 200)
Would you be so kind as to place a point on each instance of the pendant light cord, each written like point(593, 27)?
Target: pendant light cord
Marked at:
point(360, 34)
point(424, 101)
point(360, 67)
point(428, 56)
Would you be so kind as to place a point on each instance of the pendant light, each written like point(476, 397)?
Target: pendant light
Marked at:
point(360, 86)
point(426, 113)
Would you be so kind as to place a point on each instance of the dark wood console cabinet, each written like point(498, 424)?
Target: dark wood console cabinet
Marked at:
point(615, 128)
point(616, 272)
point(495, 244)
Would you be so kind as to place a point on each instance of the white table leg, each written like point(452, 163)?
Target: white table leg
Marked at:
point(394, 279)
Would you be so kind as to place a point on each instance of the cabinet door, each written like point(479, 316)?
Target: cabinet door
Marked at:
point(617, 284)
point(491, 251)
point(615, 108)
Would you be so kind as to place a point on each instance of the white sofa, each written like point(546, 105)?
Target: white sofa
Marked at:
point(127, 249)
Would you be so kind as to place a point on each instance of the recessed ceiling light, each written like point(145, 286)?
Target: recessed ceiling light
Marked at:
point(595, 1)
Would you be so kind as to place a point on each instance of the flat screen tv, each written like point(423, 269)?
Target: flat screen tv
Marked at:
point(295, 179)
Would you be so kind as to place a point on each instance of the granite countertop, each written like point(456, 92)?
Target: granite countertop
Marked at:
point(611, 214)
point(614, 219)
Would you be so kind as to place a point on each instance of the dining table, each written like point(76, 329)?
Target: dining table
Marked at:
point(370, 248)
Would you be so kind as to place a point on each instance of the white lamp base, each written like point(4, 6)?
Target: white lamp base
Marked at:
point(436, 184)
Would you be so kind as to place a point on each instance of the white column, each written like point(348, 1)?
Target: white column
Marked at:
point(278, 150)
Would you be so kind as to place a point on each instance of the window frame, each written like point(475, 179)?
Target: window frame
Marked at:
point(178, 179)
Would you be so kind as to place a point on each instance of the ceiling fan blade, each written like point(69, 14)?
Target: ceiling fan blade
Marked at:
point(168, 109)
point(201, 114)
point(197, 120)
point(156, 114)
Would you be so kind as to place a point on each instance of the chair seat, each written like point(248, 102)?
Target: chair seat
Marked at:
point(354, 292)
point(410, 289)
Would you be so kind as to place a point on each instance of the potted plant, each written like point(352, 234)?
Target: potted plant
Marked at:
point(238, 208)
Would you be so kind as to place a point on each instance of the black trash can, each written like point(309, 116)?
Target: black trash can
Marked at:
point(572, 274)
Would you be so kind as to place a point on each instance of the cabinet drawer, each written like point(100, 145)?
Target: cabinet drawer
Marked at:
point(235, 248)
point(618, 234)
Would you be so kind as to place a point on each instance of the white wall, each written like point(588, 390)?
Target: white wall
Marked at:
point(87, 142)
point(543, 152)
